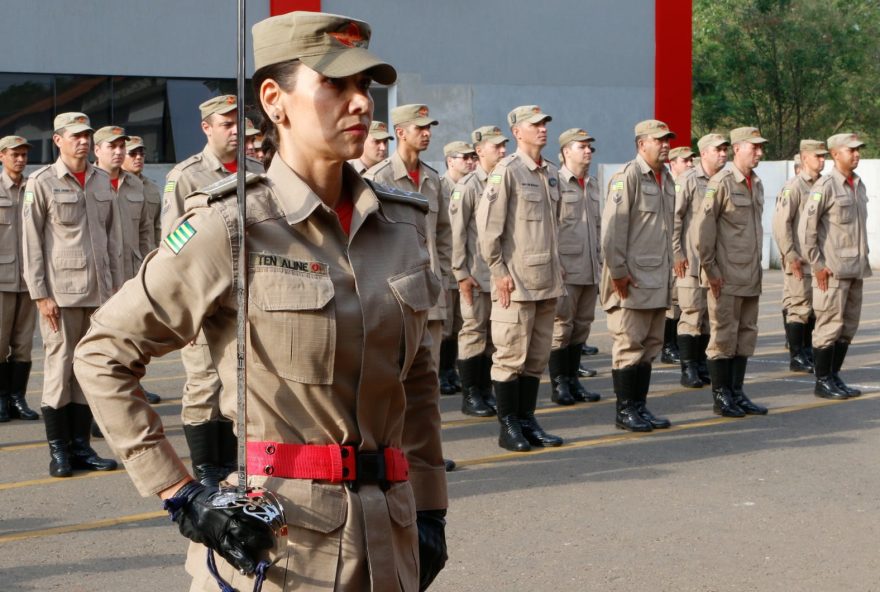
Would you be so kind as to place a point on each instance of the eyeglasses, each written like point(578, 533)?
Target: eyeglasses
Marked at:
point(466, 156)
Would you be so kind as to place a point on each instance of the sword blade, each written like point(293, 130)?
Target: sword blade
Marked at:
point(241, 285)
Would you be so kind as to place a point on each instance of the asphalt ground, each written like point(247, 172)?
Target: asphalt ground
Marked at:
point(785, 502)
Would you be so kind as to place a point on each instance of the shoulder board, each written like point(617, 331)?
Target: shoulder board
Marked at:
point(551, 163)
point(429, 167)
point(466, 179)
point(102, 171)
point(507, 160)
point(189, 161)
point(392, 194)
point(40, 171)
point(227, 185)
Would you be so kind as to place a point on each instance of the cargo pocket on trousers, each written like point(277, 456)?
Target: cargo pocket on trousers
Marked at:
point(316, 514)
point(416, 291)
point(293, 324)
point(537, 272)
point(71, 272)
point(402, 510)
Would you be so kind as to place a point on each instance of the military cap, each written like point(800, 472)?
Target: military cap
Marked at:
point(654, 129)
point(379, 131)
point(746, 134)
point(330, 44)
point(797, 160)
point(488, 133)
point(249, 129)
point(134, 142)
point(712, 141)
point(847, 140)
point(13, 142)
point(457, 147)
point(527, 114)
point(814, 146)
point(222, 105)
point(413, 113)
point(73, 122)
point(109, 133)
point(680, 152)
point(574, 134)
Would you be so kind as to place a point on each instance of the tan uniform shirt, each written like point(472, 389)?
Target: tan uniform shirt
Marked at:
point(358, 165)
point(136, 227)
point(392, 172)
point(71, 252)
point(338, 352)
point(790, 204)
point(447, 186)
point(580, 229)
point(834, 229)
point(153, 207)
point(467, 261)
point(11, 260)
point(690, 187)
point(637, 237)
point(730, 235)
point(199, 170)
point(516, 224)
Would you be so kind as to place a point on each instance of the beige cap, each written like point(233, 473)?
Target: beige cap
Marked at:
point(13, 142)
point(746, 134)
point(222, 105)
point(332, 45)
point(73, 122)
point(134, 142)
point(379, 131)
point(797, 159)
point(814, 146)
point(574, 134)
point(680, 152)
point(457, 147)
point(109, 133)
point(488, 133)
point(249, 129)
point(844, 140)
point(711, 140)
point(413, 113)
point(653, 128)
point(527, 114)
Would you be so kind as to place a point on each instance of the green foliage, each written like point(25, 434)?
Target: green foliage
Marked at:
point(794, 68)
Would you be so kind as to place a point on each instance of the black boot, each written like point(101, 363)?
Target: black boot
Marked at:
point(626, 385)
point(454, 378)
point(669, 354)
point(18, 407)
point(738, 377)
point(798, 361)
point(584, 371)
point(82, 455)
point(511, 436)
point(559, 377)
point(528, 400)
point(486, 381)
point(202, 439)
point(690, 375)
point(785, 326)
point(577, 390)
point(447, 363)
point(472, 402)
point(808, 338)
point(589, 350)
point(657, 423)
point(722, 395)
point(58, 435)
point(227, 448)
point(826, 387)
point(702, 365)
point(5, 389)
point(840, 349)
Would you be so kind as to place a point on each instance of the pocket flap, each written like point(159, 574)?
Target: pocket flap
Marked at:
point(418, 288)
point(65, 197)
point(134, 197)
point(533, 195)
point(314, 506)
point(740, 199)
point(572, 249)
point(648, 260)
point(5, 202)
point(843, 200)
point(285, 290)
point(103, 196)
point(505, 315)
point(571, 197)
point(70, 260)
point(401, 504)
point(649, 205)
point(7, 258)
point(650, 189)
point(848, 252)
point(537, 258)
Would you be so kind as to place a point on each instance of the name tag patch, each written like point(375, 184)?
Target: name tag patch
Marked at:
point(270, 260)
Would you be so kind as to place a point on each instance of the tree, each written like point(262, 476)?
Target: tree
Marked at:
point(794, 68)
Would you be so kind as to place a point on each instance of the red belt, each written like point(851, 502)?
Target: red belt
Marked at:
point(333, 462)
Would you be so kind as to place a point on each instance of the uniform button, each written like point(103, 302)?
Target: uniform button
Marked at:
point(268, 469)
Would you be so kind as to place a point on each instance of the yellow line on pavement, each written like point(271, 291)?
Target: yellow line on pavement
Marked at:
point(32, 534)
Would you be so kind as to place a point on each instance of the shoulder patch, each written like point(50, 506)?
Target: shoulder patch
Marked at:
point(677, 188)
point(710, 192)
point(786, 192)
point(180, 236)
point(392, 194)
point(617, 185)
point(169, 187)
point(495, 179)
point(456, 194)
point(28, 197)
point(817, 196)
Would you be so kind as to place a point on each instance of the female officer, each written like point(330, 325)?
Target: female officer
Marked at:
point(343, 420)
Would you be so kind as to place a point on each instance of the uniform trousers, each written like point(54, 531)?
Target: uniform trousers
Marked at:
point(435, 328)
point(797, 298)
point(694, 319)
point(837, 311)
point(475, 337)
point(522, 334)
point(60, 386)
point(733, 322)
point(18, 317)
point(637, 335)
point(452, 324)
point(201, 393)
point(575, 312)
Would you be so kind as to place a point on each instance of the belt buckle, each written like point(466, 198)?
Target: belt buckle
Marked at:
point(370, 468)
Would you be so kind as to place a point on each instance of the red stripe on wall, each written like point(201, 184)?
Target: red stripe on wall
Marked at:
point(673, 66)
point(285, 6)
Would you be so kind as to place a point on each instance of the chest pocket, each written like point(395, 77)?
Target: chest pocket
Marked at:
point(103, 202)
point(293, 324)
point(134, 203)
point(649, 201)
point(67, 207)
point(844, 208)
point(416, 291)
point(741, 212)
point(7, 210)
point(531, 206)
point(571, 205)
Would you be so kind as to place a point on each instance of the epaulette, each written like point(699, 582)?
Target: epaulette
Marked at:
point(507, 160)
point(429, 167)
point(227, 185)
point(189, 161)
point(40, 171)
point(392, 194)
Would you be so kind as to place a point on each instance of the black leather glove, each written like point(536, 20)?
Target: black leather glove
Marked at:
point(432, 545)
point(237, 537)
